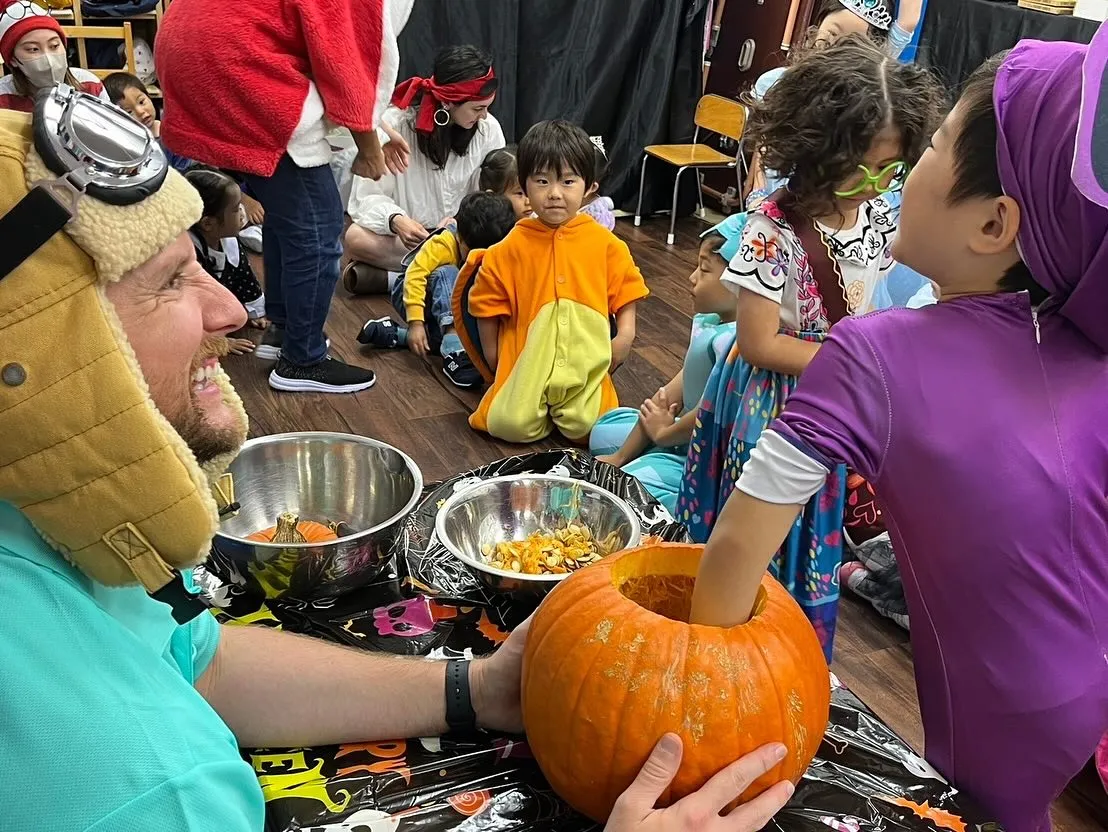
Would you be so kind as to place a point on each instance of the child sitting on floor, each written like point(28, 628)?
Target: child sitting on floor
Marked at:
point(543, 296)
point(427, 285)
point(600, 208)
point(215, 238)
point(499, 175)
point(649, 442)
point(844, 126)
point(128, 93)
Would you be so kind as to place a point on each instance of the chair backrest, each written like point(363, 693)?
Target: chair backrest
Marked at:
point(724, 116)
point(79, 34)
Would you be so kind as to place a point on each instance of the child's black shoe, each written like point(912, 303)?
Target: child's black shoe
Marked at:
point(382, 333)
point(460, 370)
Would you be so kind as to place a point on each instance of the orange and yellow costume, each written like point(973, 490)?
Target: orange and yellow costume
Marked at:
point(553, 290)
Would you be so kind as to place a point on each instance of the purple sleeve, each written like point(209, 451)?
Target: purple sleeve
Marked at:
point(841, 412)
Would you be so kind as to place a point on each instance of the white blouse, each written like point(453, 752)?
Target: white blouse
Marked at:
point(423, 192)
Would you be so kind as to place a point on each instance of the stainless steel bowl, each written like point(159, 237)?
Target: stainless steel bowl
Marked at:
point(511, 508)
point(328, 477)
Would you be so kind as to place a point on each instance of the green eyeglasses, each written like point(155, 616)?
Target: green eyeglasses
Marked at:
point(890, 178)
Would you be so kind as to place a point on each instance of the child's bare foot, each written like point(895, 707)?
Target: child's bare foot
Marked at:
point(610, 459)
point(240, 346)
point(258, 323)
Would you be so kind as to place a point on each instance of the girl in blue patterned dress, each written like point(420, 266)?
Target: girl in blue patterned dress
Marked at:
point(844, 125)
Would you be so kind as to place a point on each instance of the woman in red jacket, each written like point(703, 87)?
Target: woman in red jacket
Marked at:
point(261, 102)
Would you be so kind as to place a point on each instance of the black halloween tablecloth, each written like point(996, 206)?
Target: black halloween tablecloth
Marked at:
point(864, 778)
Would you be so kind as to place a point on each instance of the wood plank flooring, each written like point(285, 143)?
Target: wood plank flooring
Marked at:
point(414, 407)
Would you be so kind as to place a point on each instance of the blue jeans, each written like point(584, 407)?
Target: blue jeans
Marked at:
point(301, 246)
point(440, 290)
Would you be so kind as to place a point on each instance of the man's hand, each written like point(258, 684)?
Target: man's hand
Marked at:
point(621, 351)
point(417, 339)
point(255, 213)
point(700, 811)
point(397, 151)
point(495, 684)
point(410, 232)
point(656, 415)
point(370, 163)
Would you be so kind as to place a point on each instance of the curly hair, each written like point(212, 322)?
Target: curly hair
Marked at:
point(815, 125)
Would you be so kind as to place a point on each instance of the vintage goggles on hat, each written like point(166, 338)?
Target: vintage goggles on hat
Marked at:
point(96, 149)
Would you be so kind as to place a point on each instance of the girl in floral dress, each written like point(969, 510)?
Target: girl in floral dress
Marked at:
point(844, 126)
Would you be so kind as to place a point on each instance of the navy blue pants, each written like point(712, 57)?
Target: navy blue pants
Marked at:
point(301, 247)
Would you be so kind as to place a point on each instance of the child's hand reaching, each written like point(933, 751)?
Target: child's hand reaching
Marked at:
point(417, 339)
point(657, 414)
point(258, 323)
point(240, 346)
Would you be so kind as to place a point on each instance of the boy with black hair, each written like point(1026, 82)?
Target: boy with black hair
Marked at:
point(427, 284)
point(543, 297)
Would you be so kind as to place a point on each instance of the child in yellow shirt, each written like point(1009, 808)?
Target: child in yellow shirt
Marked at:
point(428, 282)
point(543, 296)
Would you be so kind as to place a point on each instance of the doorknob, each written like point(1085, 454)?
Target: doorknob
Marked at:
point(746, 54)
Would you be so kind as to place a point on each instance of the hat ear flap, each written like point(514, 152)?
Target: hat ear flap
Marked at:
point(1090, 157)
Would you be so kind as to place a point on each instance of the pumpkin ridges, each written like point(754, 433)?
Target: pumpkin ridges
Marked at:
point(312, 531)
point(592, 731)
point(582, 734)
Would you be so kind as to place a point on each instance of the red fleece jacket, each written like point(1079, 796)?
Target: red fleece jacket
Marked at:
point(235, 75)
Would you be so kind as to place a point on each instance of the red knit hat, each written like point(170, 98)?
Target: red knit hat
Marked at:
point(17, 18)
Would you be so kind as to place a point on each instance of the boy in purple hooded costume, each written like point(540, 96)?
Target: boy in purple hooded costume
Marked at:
point(983, 424)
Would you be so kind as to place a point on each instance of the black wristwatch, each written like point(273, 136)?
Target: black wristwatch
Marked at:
point(392, 218)
point(460, 716)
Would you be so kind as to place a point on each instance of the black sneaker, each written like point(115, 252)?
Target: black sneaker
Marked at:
point(383, 333)
point(328, 376)
point(460, 370)
point(273, 339)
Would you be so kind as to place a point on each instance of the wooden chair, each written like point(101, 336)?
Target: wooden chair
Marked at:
point(714, 114)
point(79, 34)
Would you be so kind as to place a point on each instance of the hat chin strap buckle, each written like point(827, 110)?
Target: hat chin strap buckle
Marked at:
point(161, 582)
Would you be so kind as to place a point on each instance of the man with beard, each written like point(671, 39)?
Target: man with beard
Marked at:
point(119, 711)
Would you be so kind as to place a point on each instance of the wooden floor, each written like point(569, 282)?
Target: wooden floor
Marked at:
point(414, 408)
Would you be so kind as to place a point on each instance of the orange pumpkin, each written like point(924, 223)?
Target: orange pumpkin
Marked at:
point(311, 531)
point(611, 665)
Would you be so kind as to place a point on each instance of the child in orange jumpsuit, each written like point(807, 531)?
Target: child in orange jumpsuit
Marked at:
point(543, 298)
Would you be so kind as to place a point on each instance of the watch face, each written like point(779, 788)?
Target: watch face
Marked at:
point(107, 152)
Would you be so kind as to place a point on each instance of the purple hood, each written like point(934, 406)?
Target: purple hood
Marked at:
point(1063, 236)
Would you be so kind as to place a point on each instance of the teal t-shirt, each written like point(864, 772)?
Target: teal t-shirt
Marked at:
point(101, 728)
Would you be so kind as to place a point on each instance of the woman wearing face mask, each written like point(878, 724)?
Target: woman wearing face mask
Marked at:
point(32, 46)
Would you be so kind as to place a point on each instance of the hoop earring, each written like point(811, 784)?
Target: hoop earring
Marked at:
point(445, 113)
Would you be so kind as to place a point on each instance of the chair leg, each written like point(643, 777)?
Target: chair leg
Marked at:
point(700, 191)
point(642, 184)
point(673, 207)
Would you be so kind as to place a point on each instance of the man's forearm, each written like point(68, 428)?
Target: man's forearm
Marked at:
point(281, 690)
point(367, 142)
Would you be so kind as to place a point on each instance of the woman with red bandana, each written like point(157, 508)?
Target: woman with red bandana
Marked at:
point(263, 105)
point(445, 119)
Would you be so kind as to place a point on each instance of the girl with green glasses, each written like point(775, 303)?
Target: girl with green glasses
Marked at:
point(842, 126)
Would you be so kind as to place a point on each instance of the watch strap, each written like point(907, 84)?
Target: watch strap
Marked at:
point(460, 716)
point(28, 226)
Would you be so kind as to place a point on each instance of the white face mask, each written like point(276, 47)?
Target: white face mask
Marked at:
point(45, 70)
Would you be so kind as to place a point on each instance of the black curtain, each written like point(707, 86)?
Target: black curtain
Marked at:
point(959, 35)
point(627, 70)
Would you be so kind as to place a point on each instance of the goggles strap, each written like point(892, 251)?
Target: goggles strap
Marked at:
point(41, 214)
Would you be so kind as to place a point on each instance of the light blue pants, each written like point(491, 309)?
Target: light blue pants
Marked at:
point(659, 469)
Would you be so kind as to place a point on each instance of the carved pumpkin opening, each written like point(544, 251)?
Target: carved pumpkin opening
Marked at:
point(662, 586)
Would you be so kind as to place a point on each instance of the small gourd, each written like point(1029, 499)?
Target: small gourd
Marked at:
point(290, 529)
